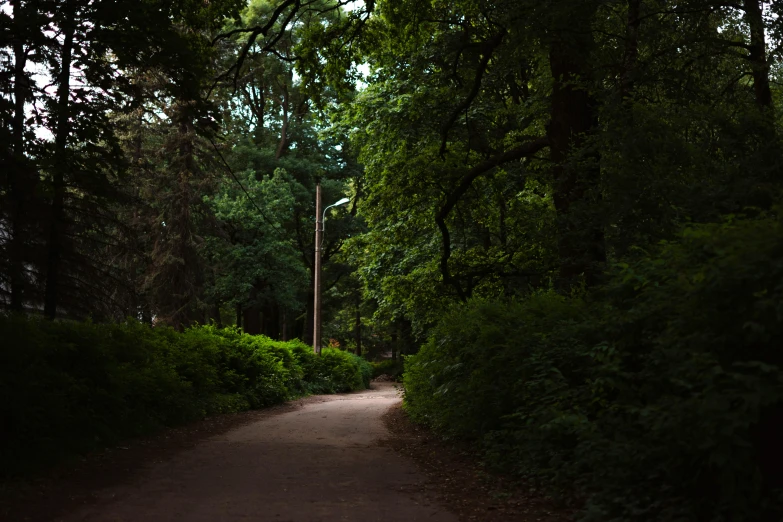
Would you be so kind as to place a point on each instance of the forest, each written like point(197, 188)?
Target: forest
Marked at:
point(565, 223)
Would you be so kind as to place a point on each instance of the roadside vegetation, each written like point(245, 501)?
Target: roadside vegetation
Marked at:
point(390, 367)
point(70, 387)
point(657, 397)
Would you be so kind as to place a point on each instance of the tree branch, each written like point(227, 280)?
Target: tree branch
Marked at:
point(525, 150)
point(487, 48)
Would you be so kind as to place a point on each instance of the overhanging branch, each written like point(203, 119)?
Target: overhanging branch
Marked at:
point(525, 150)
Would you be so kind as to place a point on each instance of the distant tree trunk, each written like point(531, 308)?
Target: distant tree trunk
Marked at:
point(573, 118)
point(251, 319)
point(631, 53)
point(283, 145)
point(216, 314)
point(358, 329)
point(284, 325)
point(770, 151)
point(18, 174)
point(307, 331)
point(758, 54)
point(239, 316)
point(185, 280)
point(394, 345)
point(55, 246)
point(272, 321)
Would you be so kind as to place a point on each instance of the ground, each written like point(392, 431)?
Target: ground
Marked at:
point(352, 457)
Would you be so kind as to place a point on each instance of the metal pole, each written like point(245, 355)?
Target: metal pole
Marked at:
point(317, 271)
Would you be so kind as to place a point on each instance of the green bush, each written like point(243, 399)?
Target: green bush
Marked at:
point(334, 371)
point(348, 371)
point(391, 367)
point(656, 398)
point(68, 387)
point(365, 369)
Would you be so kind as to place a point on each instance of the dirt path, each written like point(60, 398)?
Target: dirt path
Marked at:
point(320, 463)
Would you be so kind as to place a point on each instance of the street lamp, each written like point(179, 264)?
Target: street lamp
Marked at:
point(319, 238)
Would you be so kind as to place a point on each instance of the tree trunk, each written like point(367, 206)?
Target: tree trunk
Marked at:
point(307, 329)
point(251, 320)
point(185, 281)
point(55, 247)
point(358, 329)
point(758, 54)
point(282, 147)
point(769, 158)
point(216, 314)
point(239, 316)
point(394, 345)
point(576, 176)
point(631, 53)
point(18, 174)
point(272, 321)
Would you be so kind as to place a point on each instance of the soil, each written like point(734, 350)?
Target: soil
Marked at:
point(456, 478)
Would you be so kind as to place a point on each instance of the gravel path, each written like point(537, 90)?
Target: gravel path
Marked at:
point(319, 463)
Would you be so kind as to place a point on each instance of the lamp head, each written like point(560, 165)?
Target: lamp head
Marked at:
point(342, 202)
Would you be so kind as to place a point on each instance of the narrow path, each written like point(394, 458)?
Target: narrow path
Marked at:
point(320, 463)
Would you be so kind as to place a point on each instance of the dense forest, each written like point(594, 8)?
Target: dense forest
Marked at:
point(566, 215)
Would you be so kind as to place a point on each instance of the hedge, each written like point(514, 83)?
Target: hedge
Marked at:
point(69, 387)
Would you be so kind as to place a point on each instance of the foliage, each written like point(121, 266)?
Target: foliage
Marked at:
point(655, 396)
point(69, 387)
point(391, 367)
point(348, 371)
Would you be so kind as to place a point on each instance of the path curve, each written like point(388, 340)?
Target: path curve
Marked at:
point(320, 463)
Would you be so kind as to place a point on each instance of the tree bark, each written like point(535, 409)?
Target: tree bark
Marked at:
point(187, 276)
point(18, 175)
point(282, 147)
point(576, 172)
point(216, 314)
point(54, 257)
point(358, 329)
point(758, 54)
point(307, 327)
point(272, 321)
point(631, 53)
point(251, 320)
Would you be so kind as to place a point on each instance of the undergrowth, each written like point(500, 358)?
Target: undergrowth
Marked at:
point(69, 387)
point(658, 397)
point(391, 367)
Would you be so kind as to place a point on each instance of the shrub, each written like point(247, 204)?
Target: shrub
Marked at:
point(365, 369)
point(391, 367)
point(348, 371)
point(656, 398)
point(68, 387)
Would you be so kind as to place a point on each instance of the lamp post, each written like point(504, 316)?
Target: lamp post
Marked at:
point(319, 238)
